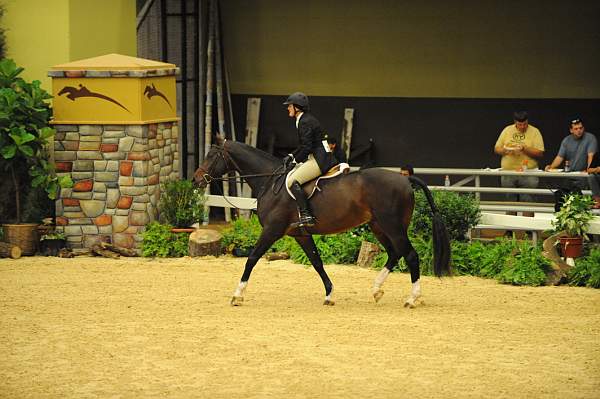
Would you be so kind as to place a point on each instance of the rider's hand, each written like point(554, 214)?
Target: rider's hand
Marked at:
point(288, 160)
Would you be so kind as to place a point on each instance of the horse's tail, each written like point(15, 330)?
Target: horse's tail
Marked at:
point(441, 242)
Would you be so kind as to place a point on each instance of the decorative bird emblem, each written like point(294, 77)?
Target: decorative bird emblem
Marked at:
point(74, 93)
point(151, 91)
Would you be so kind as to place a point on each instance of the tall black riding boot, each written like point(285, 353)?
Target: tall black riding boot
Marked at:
point(306, 217)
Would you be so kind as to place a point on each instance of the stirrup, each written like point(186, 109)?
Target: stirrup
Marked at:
point(305, 221)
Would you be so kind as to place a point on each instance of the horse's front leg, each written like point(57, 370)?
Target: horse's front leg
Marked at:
point(310, 249)
point(266, 239)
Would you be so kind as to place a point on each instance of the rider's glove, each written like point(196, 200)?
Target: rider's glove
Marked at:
point(288, 160)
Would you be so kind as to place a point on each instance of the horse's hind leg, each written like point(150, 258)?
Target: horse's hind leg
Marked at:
point(412, 260)
point(266, 239)
point(310, 249)
point(398, 238)
point(392, 260)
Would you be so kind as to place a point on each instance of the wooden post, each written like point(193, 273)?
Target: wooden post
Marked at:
point(346, 140)
point(367, 254)
point(252, 115)
point(209, 91)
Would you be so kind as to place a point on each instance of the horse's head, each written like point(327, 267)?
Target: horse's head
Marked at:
point(216, 163)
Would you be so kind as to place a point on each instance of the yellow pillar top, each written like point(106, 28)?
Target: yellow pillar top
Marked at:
point(114, 89)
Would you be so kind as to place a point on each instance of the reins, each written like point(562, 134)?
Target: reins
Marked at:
point(208, 178)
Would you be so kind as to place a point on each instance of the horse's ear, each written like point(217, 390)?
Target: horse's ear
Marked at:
point(220, 139)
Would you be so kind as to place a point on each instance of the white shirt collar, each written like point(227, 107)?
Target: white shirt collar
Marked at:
point(298, 116)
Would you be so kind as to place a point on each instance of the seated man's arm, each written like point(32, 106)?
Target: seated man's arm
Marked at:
point(533, 152)
point(555, 164)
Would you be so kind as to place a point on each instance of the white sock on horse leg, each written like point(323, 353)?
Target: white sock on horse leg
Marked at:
point(239, 291)
point(380, 279)
point(416, 289)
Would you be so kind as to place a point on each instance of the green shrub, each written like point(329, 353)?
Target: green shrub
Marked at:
point(527, 267)
point(243, 234)
point(458, 211)
point(586, 271)
point(181, 204)
point(158, 240)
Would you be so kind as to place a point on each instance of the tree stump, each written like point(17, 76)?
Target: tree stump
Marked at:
point(205, 242)
point(119, 250)
point(367, 254)
point(559, 266)
point(8, 250)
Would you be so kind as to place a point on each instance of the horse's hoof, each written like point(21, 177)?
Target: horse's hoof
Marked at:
point(237, 300)
point(328, 302)
point(410, 303)
point(378, 294)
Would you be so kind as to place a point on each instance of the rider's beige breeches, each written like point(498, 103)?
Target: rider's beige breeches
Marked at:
point(305, 172)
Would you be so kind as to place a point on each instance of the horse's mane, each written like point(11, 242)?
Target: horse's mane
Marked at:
point(256, 151)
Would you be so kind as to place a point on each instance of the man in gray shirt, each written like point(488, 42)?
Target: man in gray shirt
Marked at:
point(578, 148)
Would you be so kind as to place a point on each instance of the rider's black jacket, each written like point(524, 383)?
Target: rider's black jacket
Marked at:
point(310, 135)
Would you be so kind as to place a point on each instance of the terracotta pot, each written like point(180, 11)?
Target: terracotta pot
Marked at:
point(571, 247)
point(183, 229)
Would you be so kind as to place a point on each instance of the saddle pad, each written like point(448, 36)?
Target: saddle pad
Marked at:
point(313, 185)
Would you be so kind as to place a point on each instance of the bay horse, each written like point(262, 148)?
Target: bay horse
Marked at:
point(379, 197)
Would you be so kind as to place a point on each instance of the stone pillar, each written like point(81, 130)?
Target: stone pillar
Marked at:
point(117, 135)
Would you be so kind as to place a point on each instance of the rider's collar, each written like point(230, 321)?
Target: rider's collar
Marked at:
point(298, 116)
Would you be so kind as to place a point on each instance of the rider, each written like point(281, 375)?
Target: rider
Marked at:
point(313, 153)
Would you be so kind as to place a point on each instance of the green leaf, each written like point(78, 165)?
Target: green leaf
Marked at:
point(38, 180)
point(46, 132)
point(9, 151)
point(65, 181)
point(27, 150)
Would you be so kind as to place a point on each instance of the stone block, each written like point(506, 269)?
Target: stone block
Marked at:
point(125, 181)
point(138, 218)
point(70, 145)
point(95, 139)
point(124, 240)
point(99, 196)
point(136, 131)
point(112, 197)
point(83, 186)
point(91, 229)
point(141, 198)
point(109, 148)
point(117, 134)
point(99, 188)
point(83, 166)
point(83, 195)
point(90, 130)
point(65, 155)
point(89, 145)
point(64, 166)
point(120, 223)
point(138, 156)
point(133, 190)
point(103, 220)
point(71, 136)
point(70, 202)
point(126, 168)
point(91, 155)
point(81, 176)
point(113, 166)
point(92, 208)
point(106, 176)
point(66, 128)
point(124, 202)
point(73, 221)
point(140, 169)
point(122, 212)
point(115, 155)
point(100, 166)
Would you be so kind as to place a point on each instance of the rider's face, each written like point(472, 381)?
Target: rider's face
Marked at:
point(291, 110)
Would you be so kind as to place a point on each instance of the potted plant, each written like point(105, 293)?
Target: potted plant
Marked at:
point(181, 204)
point(24, 134)
point(573, 219)
point(52, 242)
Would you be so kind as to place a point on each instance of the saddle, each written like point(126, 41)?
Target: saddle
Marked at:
point(310, 187)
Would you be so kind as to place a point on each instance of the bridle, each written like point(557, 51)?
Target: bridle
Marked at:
point(222, 152)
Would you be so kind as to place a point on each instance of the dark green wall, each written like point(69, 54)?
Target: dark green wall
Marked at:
point(405, 48)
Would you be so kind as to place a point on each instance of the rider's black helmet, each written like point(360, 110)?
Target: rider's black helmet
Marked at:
point(299, 99)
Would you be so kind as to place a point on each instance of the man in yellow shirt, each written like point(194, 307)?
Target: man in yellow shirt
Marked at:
point(520, 145)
